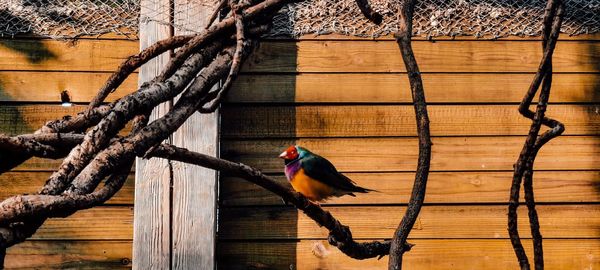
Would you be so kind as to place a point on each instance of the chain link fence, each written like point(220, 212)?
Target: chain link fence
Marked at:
point(433, 18)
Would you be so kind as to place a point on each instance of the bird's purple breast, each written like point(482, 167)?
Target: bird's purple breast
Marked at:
point(291, 169)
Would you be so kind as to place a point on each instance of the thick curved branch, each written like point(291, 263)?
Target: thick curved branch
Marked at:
point(67, 124)
point(64, 205)
point(418, 94)
point(123, 111)
point(27, 207)
point(60, 206)
point(340, 234)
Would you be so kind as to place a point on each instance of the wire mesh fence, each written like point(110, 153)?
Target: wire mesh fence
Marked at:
point(480, 18)
point(68, 18)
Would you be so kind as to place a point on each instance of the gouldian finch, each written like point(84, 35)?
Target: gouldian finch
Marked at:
point(315, 177)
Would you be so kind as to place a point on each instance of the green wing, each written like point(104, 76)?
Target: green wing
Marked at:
point(322, 170)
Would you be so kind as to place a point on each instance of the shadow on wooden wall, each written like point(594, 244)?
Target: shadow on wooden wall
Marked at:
point(595, 98)
point(241, 201)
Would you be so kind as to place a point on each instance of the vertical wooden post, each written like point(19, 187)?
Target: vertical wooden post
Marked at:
point(194, 187)
point(175, 203)
point(151, 222)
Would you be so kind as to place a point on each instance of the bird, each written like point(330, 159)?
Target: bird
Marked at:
point(315, 177)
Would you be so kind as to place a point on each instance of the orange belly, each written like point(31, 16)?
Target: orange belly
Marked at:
point(311, 188)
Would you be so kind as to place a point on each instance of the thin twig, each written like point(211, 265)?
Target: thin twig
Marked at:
point(368, 12)
point(224, 27)
point(236, 64)
point(215, 13)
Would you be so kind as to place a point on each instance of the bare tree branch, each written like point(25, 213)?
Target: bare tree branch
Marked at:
point(216, 12)
point(366, 10)
point(523, 169)
point(134, 62)
point(339, 234)
point(235, 65)
point(403, 38)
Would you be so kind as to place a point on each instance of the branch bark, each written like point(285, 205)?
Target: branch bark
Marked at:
point(403, 38)
point(368, 11)
point(339, 234)
point(523, 169)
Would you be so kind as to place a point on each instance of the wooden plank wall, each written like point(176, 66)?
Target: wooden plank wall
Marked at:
point(33, 72)
point(349, 100)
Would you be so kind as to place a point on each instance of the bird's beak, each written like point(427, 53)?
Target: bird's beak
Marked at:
point(283, 155)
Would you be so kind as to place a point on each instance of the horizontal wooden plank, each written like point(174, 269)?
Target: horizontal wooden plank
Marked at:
point(395, 120)
point(105, 36)
point(38, 165)
point(334, 36)
point(458, 222)
point(426, 254)
point(54, 55)
point(400, 154)
point(70, 255)
point(440, 56)
point(442, 187)
point(439, 87)
point(90, 224)
point(14, 183)
point(42, 165)
point(22, 119)
point(36, 86)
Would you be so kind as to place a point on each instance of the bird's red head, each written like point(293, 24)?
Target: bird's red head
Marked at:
point(290, 153)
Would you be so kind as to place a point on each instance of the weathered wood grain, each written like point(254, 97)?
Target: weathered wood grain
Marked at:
point(388, 88)
point(69, 255)
point(399, 154)
point(24, 119)
point(16, 182)
point(153, 177)
point(440, 56)
point(588, 37)
point(54, 55)
point(442, 187)
point(90, 224)
point(39, 86)
point(395, 120)
point(446, 221)
point(194, 202)
point(41, 165)
point(444, 254)
point(342, 120)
